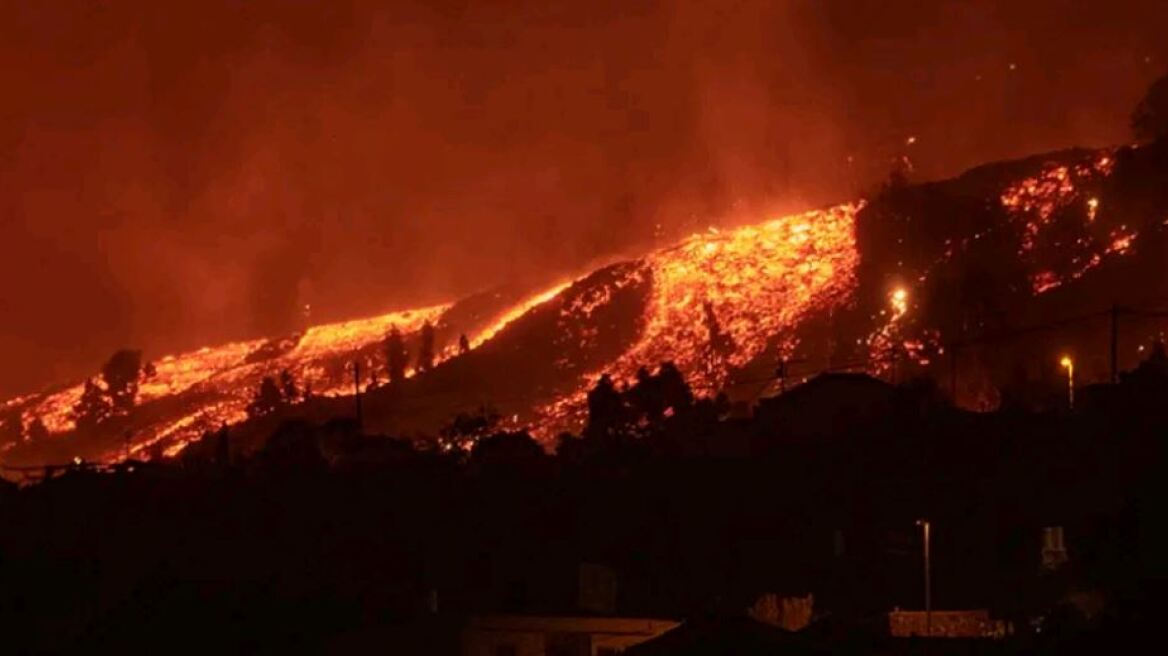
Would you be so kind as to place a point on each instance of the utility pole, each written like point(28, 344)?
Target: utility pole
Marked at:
point(953, 374)
point(924, 524)
point(784, 371)
point(1114, 344)
point(357, 391)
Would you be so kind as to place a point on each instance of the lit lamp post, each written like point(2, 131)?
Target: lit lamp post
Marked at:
point(924, 524)
point(1069, 364)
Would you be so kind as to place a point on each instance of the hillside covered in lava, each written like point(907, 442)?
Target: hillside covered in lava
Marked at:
point(966, 281)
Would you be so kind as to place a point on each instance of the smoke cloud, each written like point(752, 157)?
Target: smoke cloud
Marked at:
point(182, 173)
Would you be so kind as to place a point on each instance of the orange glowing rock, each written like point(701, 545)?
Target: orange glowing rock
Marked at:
point(756, 283)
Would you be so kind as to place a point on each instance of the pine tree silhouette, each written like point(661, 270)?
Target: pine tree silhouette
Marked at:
point(721, 345)
point(288, 387)
point(426, 348)
point(36, 430)
point(1150, 119)
point(121, 374)
point(607, 413)
point(395, 356)
point(267, 400)
point(92, 408)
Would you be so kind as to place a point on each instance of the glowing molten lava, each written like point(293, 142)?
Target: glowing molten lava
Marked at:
point(1057, 197)
point(717, 304)
point(515, 312)
point(719, 299)
point(226, 376)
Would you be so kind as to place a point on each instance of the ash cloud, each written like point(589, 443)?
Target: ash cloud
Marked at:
point(182, 173)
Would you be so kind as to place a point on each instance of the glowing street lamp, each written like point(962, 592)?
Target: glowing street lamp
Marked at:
point(899, 301)
point(1069, 364)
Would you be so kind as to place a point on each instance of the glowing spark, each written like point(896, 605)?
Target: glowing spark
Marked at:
point(1044, 281)
point(1121, 241)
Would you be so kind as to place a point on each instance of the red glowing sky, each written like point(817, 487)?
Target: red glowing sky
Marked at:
point(179, 173)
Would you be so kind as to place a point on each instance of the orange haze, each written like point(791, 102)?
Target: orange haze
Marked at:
point(175, 174)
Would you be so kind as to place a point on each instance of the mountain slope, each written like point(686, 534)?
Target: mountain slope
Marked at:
point(881, 286)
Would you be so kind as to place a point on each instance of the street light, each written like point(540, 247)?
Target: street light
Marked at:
point(924, 524)
point(1069, 364)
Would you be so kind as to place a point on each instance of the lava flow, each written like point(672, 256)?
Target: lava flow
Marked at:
point(714, 305)
point(1040, 203)
point(719, 299)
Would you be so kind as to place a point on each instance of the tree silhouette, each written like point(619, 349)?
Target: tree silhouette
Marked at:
point(607, 413)
point(506, 450)
point(1153, 369)
point(1150, 119)
point(720, 345)
point(676, 394)
point(294, 446)
point(36, 430)
point(426, 348)
point(92, 408)
point(223, 447)
point(466, 428)
point(655, 397)
point(268, 398)
point(463, 344)
point(645, 399)
point(288, 387)
point(395, 356)
point(121, 374)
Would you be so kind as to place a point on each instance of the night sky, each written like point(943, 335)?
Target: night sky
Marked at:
point(180, 173)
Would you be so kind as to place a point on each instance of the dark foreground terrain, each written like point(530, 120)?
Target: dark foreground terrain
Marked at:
point(331, 539)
